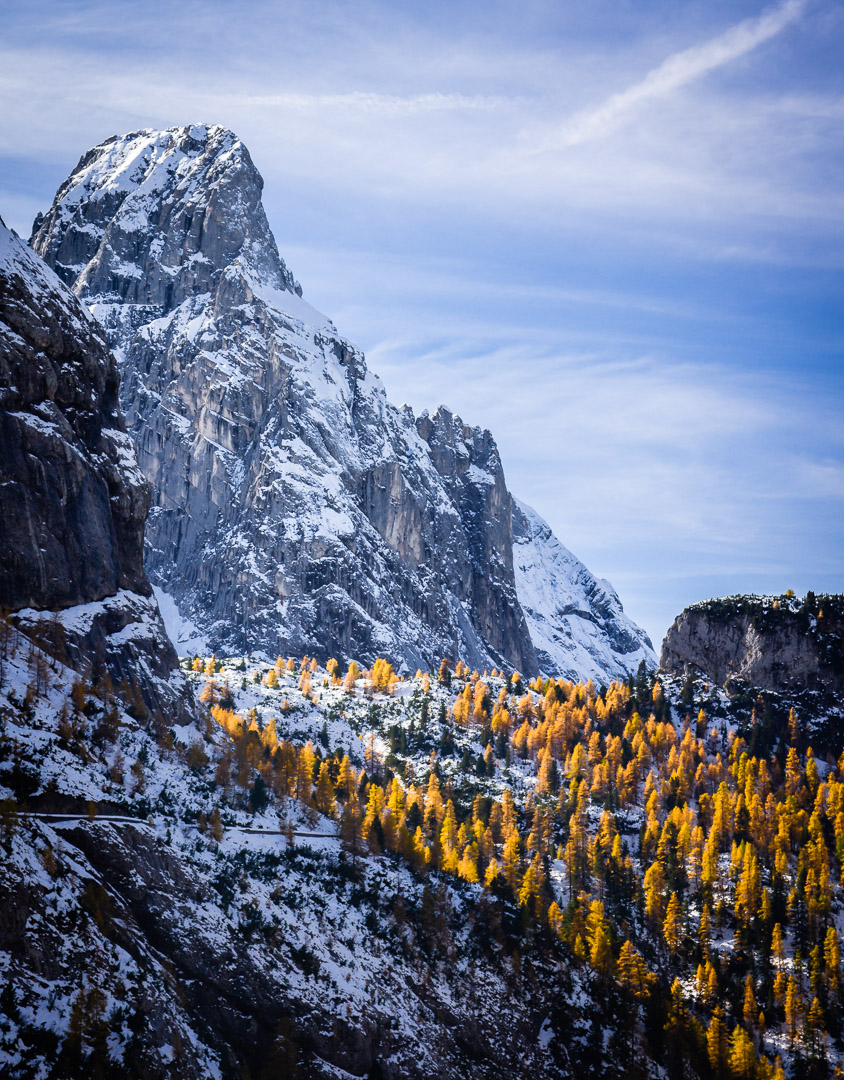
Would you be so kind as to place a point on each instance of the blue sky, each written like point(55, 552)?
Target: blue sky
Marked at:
point(610, 232)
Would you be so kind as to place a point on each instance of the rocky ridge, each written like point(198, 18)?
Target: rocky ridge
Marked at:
point(72, 500)
point(295, 509)
point(574, 617)
point(774, 643)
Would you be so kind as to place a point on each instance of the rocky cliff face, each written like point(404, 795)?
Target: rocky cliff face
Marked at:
point(773, 643)
point(295, 509)
point(72, 500)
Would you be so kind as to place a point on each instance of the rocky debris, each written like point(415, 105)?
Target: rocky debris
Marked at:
point(773, 643)
point(72, 499)
point(295, 510)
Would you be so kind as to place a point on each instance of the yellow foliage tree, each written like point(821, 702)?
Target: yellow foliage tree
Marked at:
point(742, 1059)
point(672, 925)
point(325, 799)
point(654, 886)
point(352, 676)
point(717, 1047)
point(632, 972)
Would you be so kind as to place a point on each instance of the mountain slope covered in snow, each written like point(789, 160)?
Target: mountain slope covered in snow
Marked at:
point(576, 621)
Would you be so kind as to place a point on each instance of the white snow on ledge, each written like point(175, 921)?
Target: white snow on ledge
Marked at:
point(80, 618)
point(186, 637)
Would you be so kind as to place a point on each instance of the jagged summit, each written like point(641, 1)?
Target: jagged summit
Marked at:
point(294, 508)
point(153, 217)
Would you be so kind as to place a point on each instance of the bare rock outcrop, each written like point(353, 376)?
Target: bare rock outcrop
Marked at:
point(772, 643)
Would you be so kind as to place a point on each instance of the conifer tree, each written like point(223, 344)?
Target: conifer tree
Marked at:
point(598, 939)
point(351, 831)
point(832, 963)
point(654, 887)
point(717, 1043)
point(742, 1057)
point(750, 1010)
point(672, 925)
point(633, 972)
point(793, 1008)
point(325, 799)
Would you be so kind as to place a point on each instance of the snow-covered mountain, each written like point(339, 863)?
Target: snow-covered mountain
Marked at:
point(295, 509)
point(72, 500)
point(576, 621)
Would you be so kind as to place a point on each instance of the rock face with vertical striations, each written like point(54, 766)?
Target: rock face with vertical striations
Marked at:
point(295, 509)
point(72, 500)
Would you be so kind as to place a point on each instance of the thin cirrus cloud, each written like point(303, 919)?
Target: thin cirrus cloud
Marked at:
point(454, 148)
point(380, 104)
point(676, 71)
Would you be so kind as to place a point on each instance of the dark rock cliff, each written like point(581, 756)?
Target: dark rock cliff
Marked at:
point(72, 500)
point(73, 513)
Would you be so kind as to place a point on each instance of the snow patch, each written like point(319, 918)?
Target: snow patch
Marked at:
point(186, 638)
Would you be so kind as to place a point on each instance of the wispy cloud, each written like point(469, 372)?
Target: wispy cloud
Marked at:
point(676, 71)
point(421, 134)
point(379, 104)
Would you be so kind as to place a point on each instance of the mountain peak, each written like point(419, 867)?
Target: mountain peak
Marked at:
point(154, 217)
